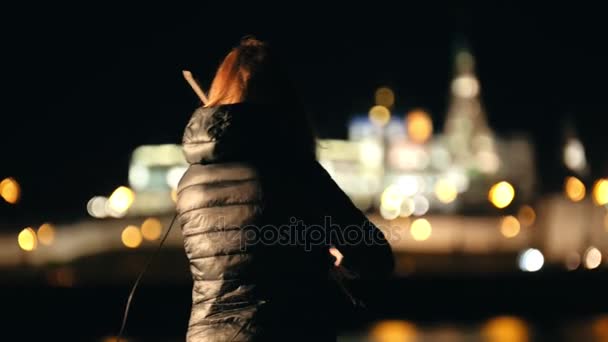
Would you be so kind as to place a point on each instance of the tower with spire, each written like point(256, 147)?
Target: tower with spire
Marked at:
point(469, 138)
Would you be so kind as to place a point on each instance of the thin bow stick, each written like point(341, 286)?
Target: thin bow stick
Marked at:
point(195, 86)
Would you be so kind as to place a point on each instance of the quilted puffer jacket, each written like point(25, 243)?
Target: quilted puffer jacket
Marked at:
point(253, 208)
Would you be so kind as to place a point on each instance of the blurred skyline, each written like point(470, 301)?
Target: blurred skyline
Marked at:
point(85, 86)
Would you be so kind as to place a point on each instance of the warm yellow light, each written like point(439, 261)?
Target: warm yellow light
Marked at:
point(501, 194)
point(600, 192)
point(574, 189)
point(151, 229)
point(445, 191)
point(131, 237)
point(10, 190)
point(509, 227)
point(505, 328)
point(393, 331)
point(27, 239)
point(419, 126)
point(46, 234)
point(385, 97)
point(379, 115)
point(526, 216)
point(600, 328)
point(121, 199)
point(421, 229)
point(391, 197)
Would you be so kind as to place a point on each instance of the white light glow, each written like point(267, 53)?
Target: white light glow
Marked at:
point(531, 260)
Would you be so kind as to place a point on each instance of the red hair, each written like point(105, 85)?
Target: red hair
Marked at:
point(231, 81)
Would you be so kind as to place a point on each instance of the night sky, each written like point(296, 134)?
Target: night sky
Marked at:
point(83, 86)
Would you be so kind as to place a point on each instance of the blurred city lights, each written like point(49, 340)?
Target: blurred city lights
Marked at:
point(407, 207)
point(440, 157)
point(573, 261)
point(174, 175)
point(509, 227)
point(488, 161)
point(531, 260)
point(574, 155)
point(465, 86)
point(139, 176)
point(120, 201)
point(393, 331)
point(10, 190)
point(421, 229)
point(46, 234)
point(371, 153)
point(151, 229)
point(131, 237)
point(27, 239)
point(409, 185)
point(445, 191)
point(385, 97)
point(96, 207)
point(391, 196)
point(574, 189)
point(421, 205)
point(592, 258)
point(419, 126)
point(505, 329)
point(501, 194)
point(526, 216)
point(389, 213)
point(600, 192)
point(379, 115)
point(458, 177)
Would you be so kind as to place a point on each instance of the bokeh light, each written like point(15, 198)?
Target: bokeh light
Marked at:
point(139, 176)
point(600, 192)
point(421, 229)
point(174, 175)
point(419, 126)
point(526, 216)
point(151, 229)
point(509, 227)
point(465, 86)
point(445, 191)
point(120, 201)
point(96, 207)
point(131, 237)
point(592, 258)
point(421, 205)
point(574, 155)
point(574, 189)
point(385, 97)
point(501, 194)
point(27, 239)
point(505, 329)
point(573, 261)
point(393, 331)
point(379, 115)
point(46, 234)
point(531, 260)
point(10, 190)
